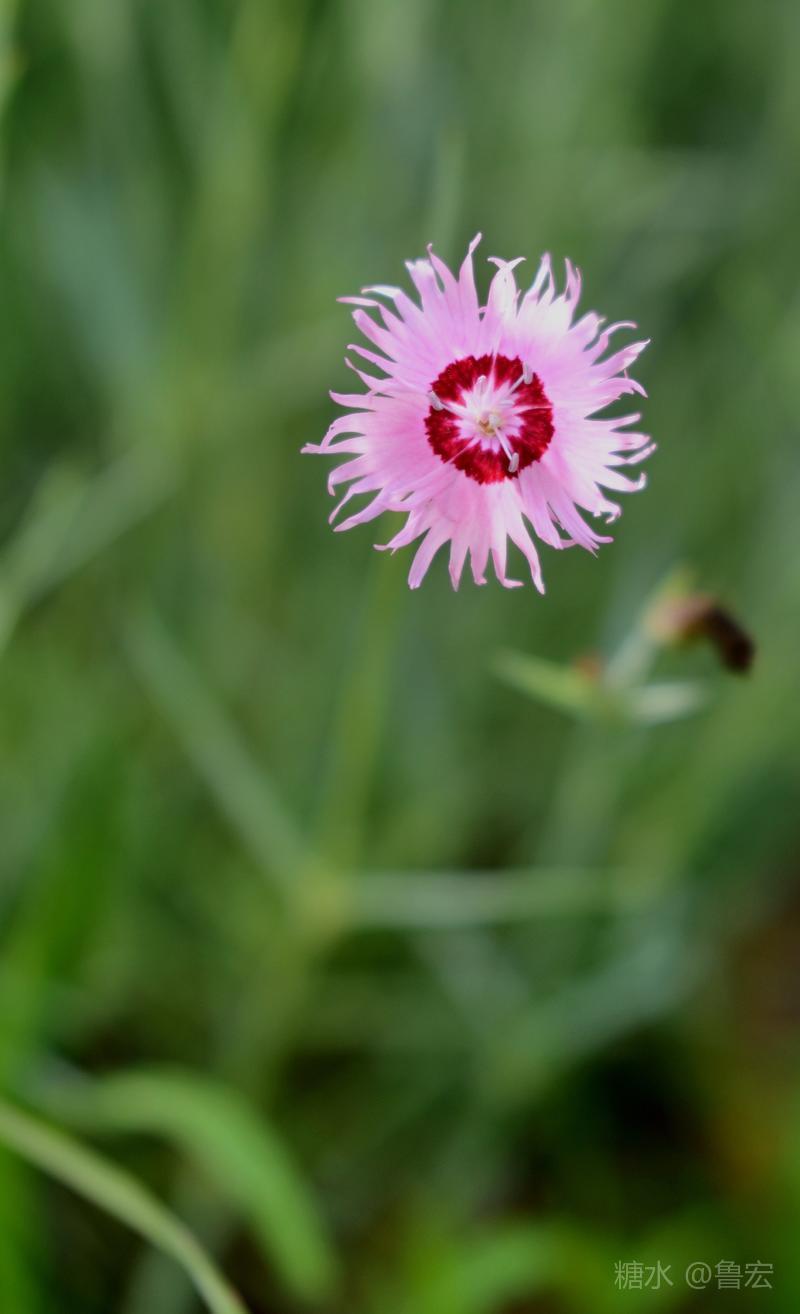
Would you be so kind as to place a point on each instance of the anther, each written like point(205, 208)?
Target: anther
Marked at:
point(436, 402)
point(513, 463)
point(527, 374)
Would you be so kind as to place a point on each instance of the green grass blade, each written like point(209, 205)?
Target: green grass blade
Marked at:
point(244, 1156)
point(235, 779)
point(360, 714)
point(562, 687)
point(416, 900)
point(118, 1194)
point(23, 1261)
point(72, 518)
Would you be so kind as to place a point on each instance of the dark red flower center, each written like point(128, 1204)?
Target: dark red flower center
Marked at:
point(489, 416)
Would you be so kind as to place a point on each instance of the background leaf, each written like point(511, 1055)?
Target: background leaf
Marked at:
point(118, 1194)
point(244, 1157)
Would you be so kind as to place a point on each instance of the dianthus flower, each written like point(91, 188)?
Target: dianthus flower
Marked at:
point(482, 427)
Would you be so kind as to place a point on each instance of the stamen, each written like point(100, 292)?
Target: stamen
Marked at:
point(436, 402)
point(506, 447)
point(513, 463)
point(525, 377)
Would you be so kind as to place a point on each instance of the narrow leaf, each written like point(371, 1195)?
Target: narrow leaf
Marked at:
point(113, 1190)
point(563, 687)
point(243, 1155)
point(211, 742)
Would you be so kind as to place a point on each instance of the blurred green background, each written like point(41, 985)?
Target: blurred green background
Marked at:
point(407, 992)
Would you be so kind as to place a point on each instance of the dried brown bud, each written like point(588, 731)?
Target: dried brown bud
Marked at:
point(701, 616)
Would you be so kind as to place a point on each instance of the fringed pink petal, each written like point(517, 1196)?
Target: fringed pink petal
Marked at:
point(433, 540)
point(458, 554)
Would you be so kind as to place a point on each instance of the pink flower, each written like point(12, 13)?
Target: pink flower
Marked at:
point(479, 427)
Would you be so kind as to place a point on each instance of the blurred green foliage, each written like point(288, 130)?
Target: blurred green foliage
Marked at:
point(409, 994)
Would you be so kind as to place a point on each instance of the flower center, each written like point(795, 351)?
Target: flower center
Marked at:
point(489, 416)
point(491, 424)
